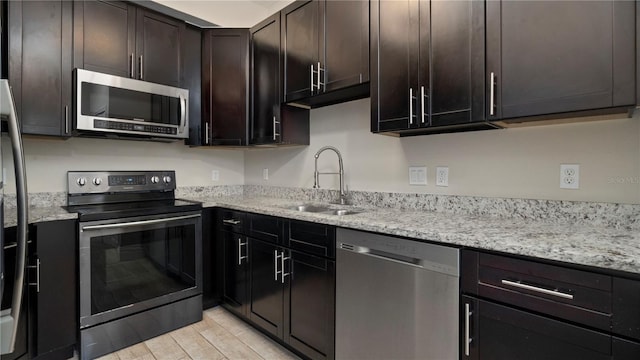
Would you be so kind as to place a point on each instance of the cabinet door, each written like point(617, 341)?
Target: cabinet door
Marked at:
point(265, 81)
point(344, 43)
point(226, 80)
point(300, 49)
point(267, 290)
point(500, 332)
point(235, 280)
point(310, 305)
point(54, 301)
point(455, 31)
point(394, 64)
point(158, 48)
point(40, 65)
point(104, 37)
point(560, 56)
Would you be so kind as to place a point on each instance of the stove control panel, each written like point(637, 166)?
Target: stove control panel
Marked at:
point(97, 182)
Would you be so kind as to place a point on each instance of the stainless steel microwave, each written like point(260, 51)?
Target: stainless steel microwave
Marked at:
point(113, 105)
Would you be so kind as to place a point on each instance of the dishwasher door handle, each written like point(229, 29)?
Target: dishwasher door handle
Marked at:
point(383, 255)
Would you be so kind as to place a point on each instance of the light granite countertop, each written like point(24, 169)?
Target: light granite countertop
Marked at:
point(597, 246)
point(39, 214)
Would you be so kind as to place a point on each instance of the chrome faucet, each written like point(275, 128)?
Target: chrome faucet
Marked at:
point(340, 173)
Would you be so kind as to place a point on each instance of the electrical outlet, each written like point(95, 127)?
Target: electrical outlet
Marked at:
point(417, 175)
point(215, 175)
point(265, 174)
point(570, 176)
point(442, 176)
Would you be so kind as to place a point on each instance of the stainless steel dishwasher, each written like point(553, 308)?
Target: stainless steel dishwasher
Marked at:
point(395, 298)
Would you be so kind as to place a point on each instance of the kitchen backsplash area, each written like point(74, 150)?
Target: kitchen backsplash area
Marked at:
point(512, 163)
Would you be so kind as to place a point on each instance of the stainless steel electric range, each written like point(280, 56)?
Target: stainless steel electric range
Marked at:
point(140, 260)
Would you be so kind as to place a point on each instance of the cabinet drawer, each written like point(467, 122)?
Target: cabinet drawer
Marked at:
point(264, 227)
point(570, 294)
point(312, 238)
point(233, 221)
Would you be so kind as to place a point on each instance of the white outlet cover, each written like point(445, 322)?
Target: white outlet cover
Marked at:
point(442, 176)
point(417, 175)
point(215, 175)
point(570, 176)
point(265, 174)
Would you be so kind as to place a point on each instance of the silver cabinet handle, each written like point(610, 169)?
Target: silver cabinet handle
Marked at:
point(319, 73)
point(275, 129)
point(66, 119)
point(206, 136)
point(131, 66)
point(231, 221)
point(138, 223)
point(467, 321)
point(492, 95)
point(422, 103)
point(538, 289)
point(282, 260)
point(275, 265)
point(37, 267)
point(141, 74)
point(410, 106)
point(240, 245)
point(312, 85)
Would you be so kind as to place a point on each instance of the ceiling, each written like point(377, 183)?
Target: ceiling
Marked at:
point(228, 13)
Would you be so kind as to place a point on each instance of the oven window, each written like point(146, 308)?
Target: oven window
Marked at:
point(111, 102)
point(136, 266)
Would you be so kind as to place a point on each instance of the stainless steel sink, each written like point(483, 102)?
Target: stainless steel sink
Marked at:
point(325, 209)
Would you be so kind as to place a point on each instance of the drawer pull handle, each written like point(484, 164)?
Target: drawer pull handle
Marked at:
point(538, 289)
point(231, 221)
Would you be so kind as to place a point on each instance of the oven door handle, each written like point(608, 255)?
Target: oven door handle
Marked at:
point(138, 223)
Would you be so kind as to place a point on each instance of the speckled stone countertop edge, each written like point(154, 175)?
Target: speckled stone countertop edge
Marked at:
point(575, 244)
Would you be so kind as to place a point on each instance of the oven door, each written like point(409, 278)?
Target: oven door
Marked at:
point(134, 264)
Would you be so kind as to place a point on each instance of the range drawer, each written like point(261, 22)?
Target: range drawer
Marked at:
point(570, 294)
point(312, 238)
point(232, 221)
point(264, 227)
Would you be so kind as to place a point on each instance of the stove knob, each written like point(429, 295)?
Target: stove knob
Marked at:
point(167, 179)
point(155, 179)
point(81, 181)
point(97, 181)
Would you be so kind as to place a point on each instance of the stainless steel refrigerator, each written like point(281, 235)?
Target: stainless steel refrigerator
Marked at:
point(13, 330)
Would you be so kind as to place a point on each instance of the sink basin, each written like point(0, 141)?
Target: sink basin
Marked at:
point(311, 208)
point(324, 209)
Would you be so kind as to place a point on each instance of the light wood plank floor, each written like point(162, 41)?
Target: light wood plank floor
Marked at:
point(220, 335)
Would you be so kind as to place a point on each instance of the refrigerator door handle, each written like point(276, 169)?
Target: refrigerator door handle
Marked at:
point(8, 108)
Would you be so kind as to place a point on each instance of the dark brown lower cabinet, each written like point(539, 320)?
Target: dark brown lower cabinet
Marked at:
point(236, 277)
point(53, 318)
point(267, 289)
point(500, 332)
point(309, 324)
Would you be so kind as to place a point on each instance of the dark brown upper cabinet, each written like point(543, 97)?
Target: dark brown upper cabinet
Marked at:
point(427, 66)
point(192, 80)
point(325, 52)
point(272, 123)
point(39, 64)
point(558, 57)
point(225, 74)
point(121, 39)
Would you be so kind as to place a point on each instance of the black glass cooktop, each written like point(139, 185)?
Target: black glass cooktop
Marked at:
point(131, 209)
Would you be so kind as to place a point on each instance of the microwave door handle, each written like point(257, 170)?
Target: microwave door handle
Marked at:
point(183, 113)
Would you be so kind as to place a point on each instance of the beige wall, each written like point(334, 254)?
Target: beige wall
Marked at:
point(520, 163)
point(48, 160)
